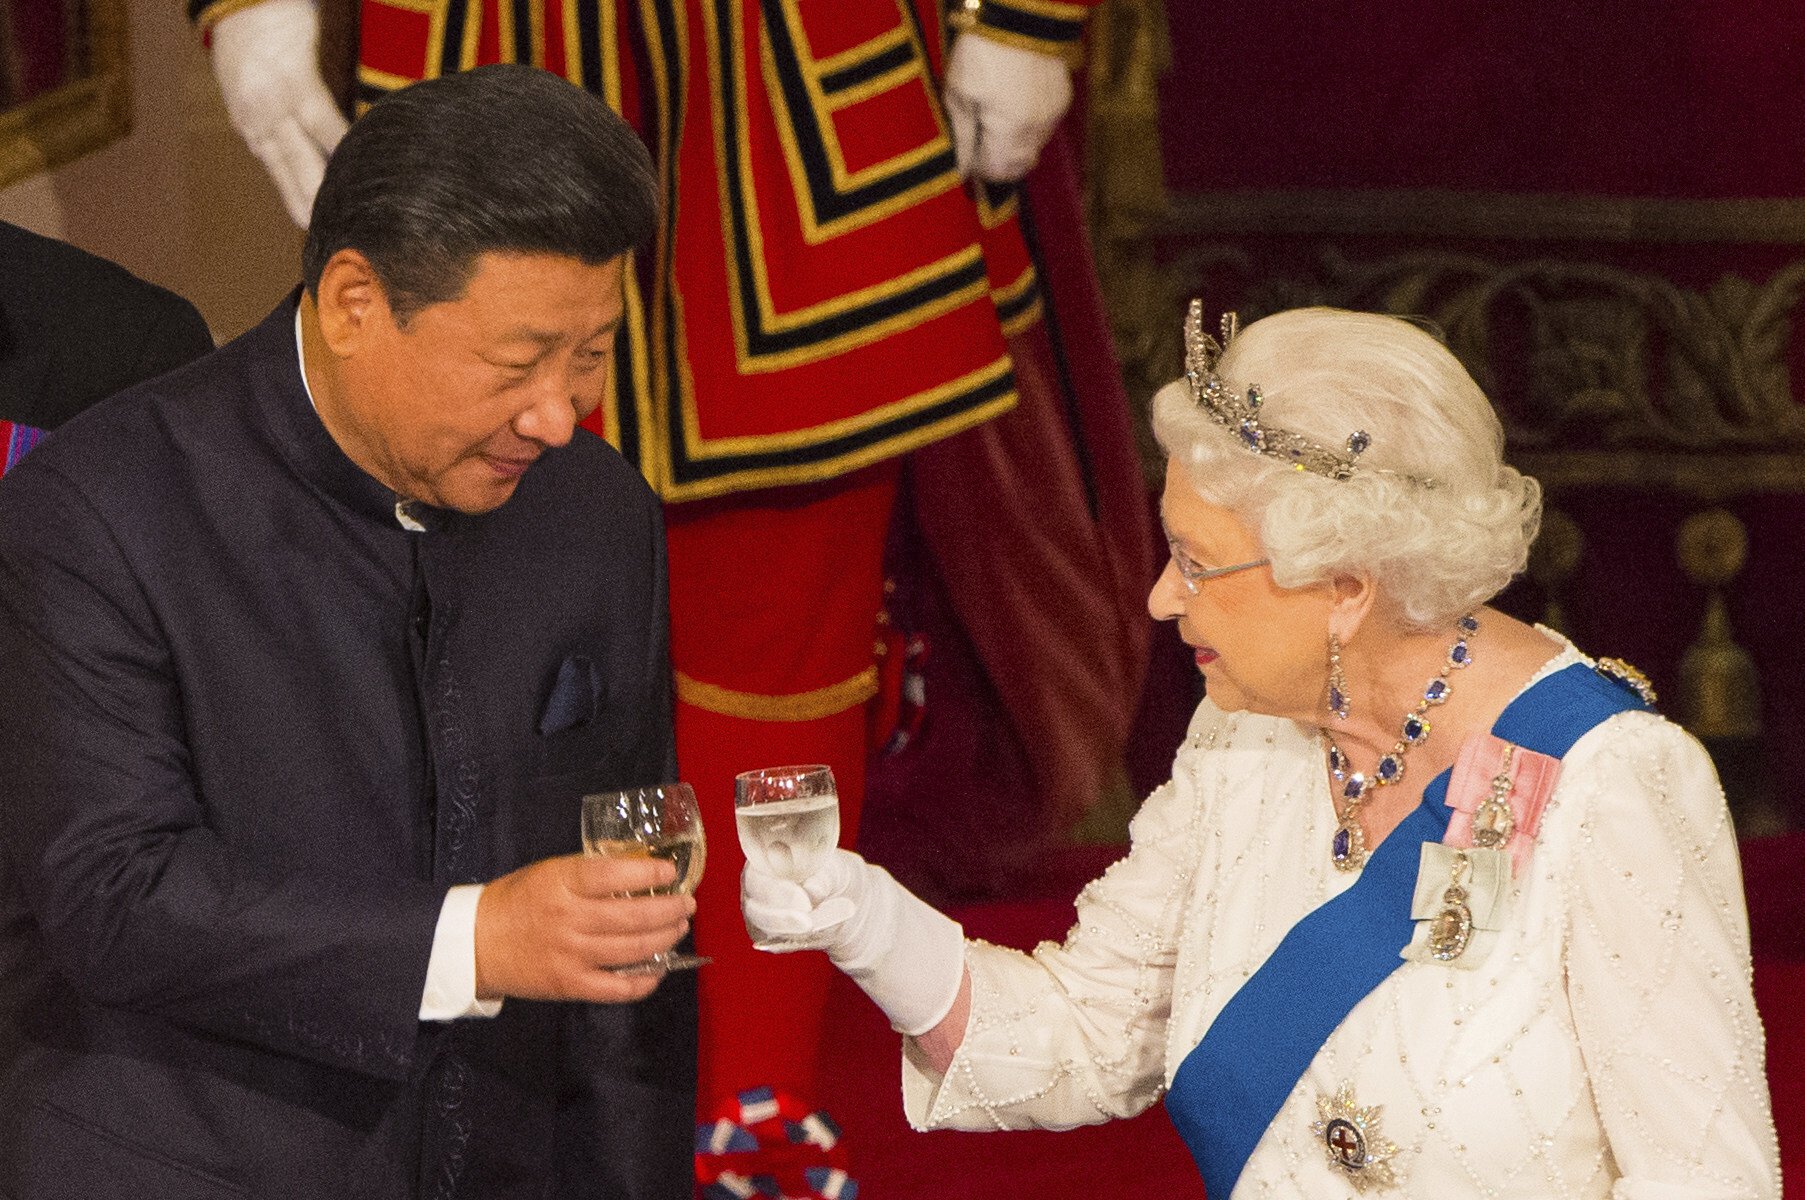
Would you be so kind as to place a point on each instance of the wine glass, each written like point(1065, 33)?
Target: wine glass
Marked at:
point(657, 821)
point(789, 822)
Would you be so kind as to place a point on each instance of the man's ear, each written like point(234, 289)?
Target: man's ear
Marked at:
point(1352, 598)
point(353, 306)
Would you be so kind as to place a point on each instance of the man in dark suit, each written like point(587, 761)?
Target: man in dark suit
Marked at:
point(310, 649)
point(75, 328)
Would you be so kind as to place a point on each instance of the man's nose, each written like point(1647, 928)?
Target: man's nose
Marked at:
point(551, 418)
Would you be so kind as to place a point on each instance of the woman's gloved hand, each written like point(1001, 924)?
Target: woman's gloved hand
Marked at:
point(265, 58)
point(1004, 103)
point(908, 957)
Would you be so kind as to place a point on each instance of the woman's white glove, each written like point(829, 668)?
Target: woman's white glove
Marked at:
point(1004, 103)
point(266, 59)
point(907, 956)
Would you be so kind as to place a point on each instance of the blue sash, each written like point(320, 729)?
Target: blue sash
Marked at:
point(1233, 1083)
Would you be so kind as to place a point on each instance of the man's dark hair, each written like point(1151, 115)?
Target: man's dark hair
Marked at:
point(503, 158)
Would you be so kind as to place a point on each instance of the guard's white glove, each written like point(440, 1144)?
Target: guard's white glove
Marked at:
point(908, 957)
point(265, 57)
point(1004, 103)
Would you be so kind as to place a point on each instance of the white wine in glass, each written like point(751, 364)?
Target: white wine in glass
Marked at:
point(789, 822)
point(657, 821)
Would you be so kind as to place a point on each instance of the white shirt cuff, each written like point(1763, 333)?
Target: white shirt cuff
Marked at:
point(451, 971)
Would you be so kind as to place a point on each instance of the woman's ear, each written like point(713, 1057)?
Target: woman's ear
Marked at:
point(1352, 596)
point(352, 305)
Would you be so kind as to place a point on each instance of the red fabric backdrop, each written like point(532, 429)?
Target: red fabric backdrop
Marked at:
point(42, 59)
point(1701, 100)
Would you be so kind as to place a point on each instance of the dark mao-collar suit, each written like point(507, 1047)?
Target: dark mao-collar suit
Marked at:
point(252, 731)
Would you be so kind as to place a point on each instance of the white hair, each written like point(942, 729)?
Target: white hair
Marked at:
point(1433, 551)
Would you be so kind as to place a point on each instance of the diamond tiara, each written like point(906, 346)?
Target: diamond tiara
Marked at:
point(1239, 413)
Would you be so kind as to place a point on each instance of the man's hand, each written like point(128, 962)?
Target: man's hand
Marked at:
point(1004, 103)
point(265, 59)
point(551, 930)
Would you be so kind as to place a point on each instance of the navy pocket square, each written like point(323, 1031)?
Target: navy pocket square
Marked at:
point(575, 696)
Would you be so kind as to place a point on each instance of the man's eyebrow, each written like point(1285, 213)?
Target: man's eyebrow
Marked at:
point(549, 337)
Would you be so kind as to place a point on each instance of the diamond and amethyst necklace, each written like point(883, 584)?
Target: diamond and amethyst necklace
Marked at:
point(1349, 847)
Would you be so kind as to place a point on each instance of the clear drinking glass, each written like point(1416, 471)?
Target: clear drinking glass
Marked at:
point(789, 821)
point(657, 821)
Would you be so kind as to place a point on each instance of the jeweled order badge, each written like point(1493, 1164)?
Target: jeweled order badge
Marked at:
point(1353, 1141)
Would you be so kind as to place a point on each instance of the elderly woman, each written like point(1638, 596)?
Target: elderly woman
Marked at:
point(1433, 905)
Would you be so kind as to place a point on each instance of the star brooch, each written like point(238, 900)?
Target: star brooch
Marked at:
point(1353, 1141)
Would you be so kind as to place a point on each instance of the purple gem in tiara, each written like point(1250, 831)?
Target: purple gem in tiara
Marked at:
point(1255, 398)
point(1436, 692)
point(1358, 441)
point(1252, 435)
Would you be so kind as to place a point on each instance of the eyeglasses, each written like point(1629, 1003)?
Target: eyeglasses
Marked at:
point(1191, 574)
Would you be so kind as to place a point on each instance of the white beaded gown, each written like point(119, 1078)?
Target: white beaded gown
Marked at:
point(1607, 1046)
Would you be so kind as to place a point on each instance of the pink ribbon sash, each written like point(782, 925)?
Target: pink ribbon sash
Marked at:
point(1532, 777)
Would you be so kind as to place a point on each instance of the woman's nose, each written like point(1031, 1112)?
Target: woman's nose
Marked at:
point(1166, 602)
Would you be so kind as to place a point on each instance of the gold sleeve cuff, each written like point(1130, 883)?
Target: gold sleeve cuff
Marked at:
point(1050, 27)
point(206, 15)
point(1070, 53)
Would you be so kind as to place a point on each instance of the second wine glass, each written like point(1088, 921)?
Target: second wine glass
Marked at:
point(789, 822)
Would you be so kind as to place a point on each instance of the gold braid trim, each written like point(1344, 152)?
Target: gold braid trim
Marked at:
point(797, 706)
point(1052, 10)
point(1069, 53)
point(213, 13)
